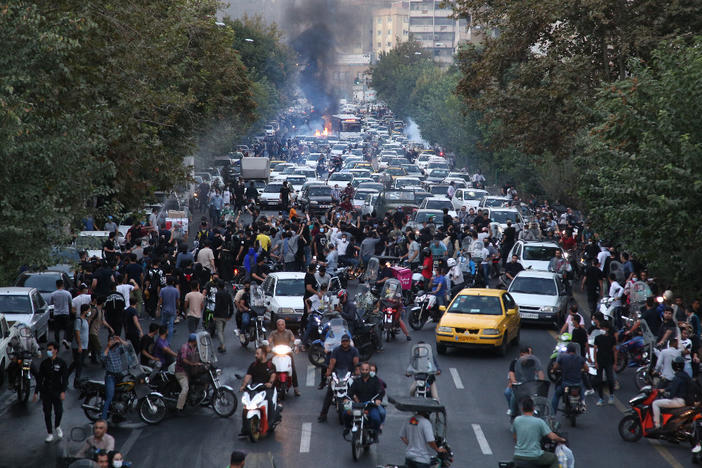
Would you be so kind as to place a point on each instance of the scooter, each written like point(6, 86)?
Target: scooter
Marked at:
point(283, 367)
point(560, 347)
point(261, 416)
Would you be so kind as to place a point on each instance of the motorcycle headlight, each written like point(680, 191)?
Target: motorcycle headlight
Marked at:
point(444, 329)
point(251, 407)
point(566, 255)
point(491, 331)
point(548, 309)
point(218, 372)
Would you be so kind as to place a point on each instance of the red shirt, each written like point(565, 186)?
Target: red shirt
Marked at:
point(569, 243)
point(427, 267)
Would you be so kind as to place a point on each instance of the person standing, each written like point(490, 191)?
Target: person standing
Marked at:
point(223, 311)
point(188, 359)
point(80, 343)
point(52, 381)
point(605, 349)
point(62, 301)
point(285, 197)
point(114, 311)
point(194, 305)
point(97, 321)
point(593, 284)
point(168, 301)
point(418, 435)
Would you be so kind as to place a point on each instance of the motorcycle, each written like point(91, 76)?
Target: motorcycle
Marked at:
point(573, 405)
point(330, 337)
point(205, 389)
point(261, 416)
point(391, 301)
point(340, 390)
point(24, 379)
point(128, 389)
point(425, 309)
point(560, 347)
point(256, 331)
point(283, 367)
point(422, 367)
point(362, 436)
point(537, 390)
point(678, 424)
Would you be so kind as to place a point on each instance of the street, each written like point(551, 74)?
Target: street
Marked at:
point(470, 386)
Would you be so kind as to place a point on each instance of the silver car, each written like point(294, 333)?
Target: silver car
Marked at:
point(27, 306)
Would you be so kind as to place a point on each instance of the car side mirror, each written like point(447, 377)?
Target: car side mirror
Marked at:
point(442, 308)
point(511, 311)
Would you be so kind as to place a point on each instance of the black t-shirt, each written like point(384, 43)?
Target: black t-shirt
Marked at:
point(605, 355)
point(665, 326)
point(513, 268)
point(579, 335)
point(571, 366)
point(344, 359)
point(448, 220)
point(104, 281)
point(320, 242)
point(260, 372)
point(309, 279)
point(146, 344)
point(134, 271)
point(129, 315)
point(259, 270)
point(593, 275)
point(284, 193)
point(509, 235)
point(653, 319)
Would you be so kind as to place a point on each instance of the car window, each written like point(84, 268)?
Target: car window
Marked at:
point(540, 286)
point(476, 305)
point(320, 191)
point(438, 204)
point(43, 283)
point(503, 216)
point(272, 188)
point(509, 302)
point(15, 304)
point(539, 253)
point(290, 287)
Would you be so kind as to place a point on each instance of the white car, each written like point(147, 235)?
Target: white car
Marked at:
point(494, 201)
point(534, 255)
point(438, 203)
point(297, 181)
point(270, 196)
point(26, 305)
point(360, 196)
point(312, 160)
point(338, 150)
point(470, 198)
point(422, 160)
point(91, 242)
point(284, 293)
point(5, 337)
point(269, 130)
point(406, 183)
point(500, 216)
point(540, 295)
point(341, 178)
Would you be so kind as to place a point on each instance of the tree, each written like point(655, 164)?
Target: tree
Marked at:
point(642, 163)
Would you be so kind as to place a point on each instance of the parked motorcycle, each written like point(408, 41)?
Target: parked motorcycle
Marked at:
point(426, 308)
point(261, 416)
point(678, 424)
point(283, 367)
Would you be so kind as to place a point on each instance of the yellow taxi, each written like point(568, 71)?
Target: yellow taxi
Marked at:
point(479, 318)
point(395, 172)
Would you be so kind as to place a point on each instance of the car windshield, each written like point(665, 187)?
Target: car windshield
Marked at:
point(345, 176)
point(420, 196)
point(90, 242)
point(542, 286)
point(423, 157)
point(290, 287)
point(272, 188)
point(339, 147)
point(371, 185)
point(438, 205)
point(407, 183)
point(395, 171)
point(503, 216)
point(439, 189)
point(476, 305)
point(297, 180)
point(289, 170)
point(473, 195)
point(399, 196)
point(320, 191)
point(16, 304)
point(361, 195)
point(43, 283)
point(495, 202)
point(438, 173)
point(539, 253)
point(423, 216)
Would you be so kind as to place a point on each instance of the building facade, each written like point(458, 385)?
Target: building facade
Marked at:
point(390, 26)
point(435, 29)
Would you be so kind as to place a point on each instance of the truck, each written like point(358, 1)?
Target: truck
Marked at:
point(255, 168)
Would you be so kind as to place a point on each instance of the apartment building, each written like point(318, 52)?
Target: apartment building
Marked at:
point(436, 30)
point(390, 26)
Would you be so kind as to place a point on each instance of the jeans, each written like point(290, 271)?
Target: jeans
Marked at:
point(508, 396)
point(77, 364)
point(558, 393)
point(220, 323)
point(347, 260)
point(62, 322)
point(49, 401)
point(485, 268)
point(110, 382)
point(308, 255)
point(167, 319)
point(311, 324)
point(415, 464)
point(245, 320)
point(601, 370)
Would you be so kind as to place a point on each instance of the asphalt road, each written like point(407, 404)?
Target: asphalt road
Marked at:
point(471, 387)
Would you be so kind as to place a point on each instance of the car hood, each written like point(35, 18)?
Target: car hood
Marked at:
point(470, 321)
point(294, 302)
point(534, 300)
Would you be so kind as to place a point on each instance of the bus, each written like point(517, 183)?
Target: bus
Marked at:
point(345, 126)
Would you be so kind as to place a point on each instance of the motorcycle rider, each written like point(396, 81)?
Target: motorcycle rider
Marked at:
point(242, 300)
point(666, 357)
point(344, 358)
point(677, 390)
point(431, 379)
point(526, 368)
point(22, 342)
point(528, 431)
point(418, 434)
point(455, 275)
point(513, 268)
point(572, 365)
point(282, 336)
point(365, 389)
point(187, 361)
point(559, 265)
point(313, 304)
point(261, 371)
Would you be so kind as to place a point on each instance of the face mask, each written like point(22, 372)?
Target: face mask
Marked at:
point(372, 374)
point(88, 314)
point(49, 353)
point(321, 230)
point(117, 463)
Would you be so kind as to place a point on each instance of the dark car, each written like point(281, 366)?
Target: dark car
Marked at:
point(44, 281)
point(395, 200)
point(316, 198)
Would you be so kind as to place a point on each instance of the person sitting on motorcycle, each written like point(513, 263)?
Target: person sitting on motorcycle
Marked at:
point(384, 274)
point(666, 357)
point(572, 365)
point(418, 435)
point(526, 368)
point(528, 431)
point(431, 379)
point(398, 308)
point(23, 342)
point(282, 336)
point(100, 440)
point(677, 390)
point(261, 371)
point(322, 276)
point(314, 304)
point(365, 389)
point(513, 268)
point(242, 301)
point(344, 358)
point(439, 287)
point(455, 275)
point(187, 361)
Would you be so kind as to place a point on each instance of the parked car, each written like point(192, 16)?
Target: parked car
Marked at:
point(438, 203)
point(44, 281)
point(27, 306)
point(284, 293)
point(541, 296)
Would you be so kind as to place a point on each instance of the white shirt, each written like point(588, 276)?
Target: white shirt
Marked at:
point(665, 362)
point(455, 275)
point(227, 197)
point(79, 300)
point(125, 290)
point(616, 291)
point(451, 191)
point(601, 257)
point(569, 322)
point(341, 246)
point(315, 302)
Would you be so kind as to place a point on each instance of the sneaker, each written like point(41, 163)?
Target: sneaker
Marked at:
point(697, 448)
point(509, 412)
point(49, 438)
point(611, 400)
point(59, 433)
point(600, 402)
point(589, 392)
point(409, 338)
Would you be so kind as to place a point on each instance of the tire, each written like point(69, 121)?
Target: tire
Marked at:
point(356, 447)
point(224, 402)
point(152, 413)
point(97, 401)
point(23, 387)
point(317, 356)
point(630, 428)
point(552, 376)
point(641, 379)
point(415, 322)
point(254, 429)
point(340, 414)
point(282, 391)
point(502, 349)
point(622, 361)
point(441, 348)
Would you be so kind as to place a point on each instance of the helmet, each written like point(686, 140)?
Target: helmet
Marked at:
point(678, 363)
point(426, 252)
point(342, 295)
point(451, 262)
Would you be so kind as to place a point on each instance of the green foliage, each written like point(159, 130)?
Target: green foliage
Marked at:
point(642, 164)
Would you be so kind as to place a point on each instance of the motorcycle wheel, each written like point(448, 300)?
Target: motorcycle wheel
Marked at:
point(552, 375)
point(23, 390)
point(282, 391)
point(340, 414)
point(416, 321)
point(152, 409)
point(630, 428)
point(224, 402)
point(622, 361)
point(641, 378)
point(356, 447)
point(316, 355)
point(254, 429)
point(366, 353)
point(95, 400)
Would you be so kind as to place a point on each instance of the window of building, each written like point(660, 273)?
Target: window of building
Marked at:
point(380, 45)
point(389, 44)
point(421, 21)
point(444, 21)
point(380, 21)
point(379, 32)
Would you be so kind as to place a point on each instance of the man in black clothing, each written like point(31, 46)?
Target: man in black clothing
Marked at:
point(103, 279)
point(146, 345)
point(447, 219)
point(604, 361)
point(513, 267)
point(365, 389)
point(343, 359)
point(52, 381)
point(114, 310)
point(508, 237)
point(666, 331)
point(592, 283)
point(260, 271)
point(652, 316)
point(261, 371)
point(285, 197)
point(223, 311)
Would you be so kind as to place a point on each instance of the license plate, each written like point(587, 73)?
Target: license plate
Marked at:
point(527, 315)
point(466, 337)
point(420, 383)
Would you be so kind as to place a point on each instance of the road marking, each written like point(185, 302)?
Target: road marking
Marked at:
point(311, 374)
point(482, 441)
point(456, 378)
point(305, 437)
point(131, 440)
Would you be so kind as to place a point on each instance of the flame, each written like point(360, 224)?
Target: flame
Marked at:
point(317, 133)
point(322, 133)
point(325, 132)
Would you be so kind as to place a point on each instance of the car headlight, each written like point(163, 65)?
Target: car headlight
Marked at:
point(548, 309)
point(491, 331)
point(444, 329)
point(314, 202)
